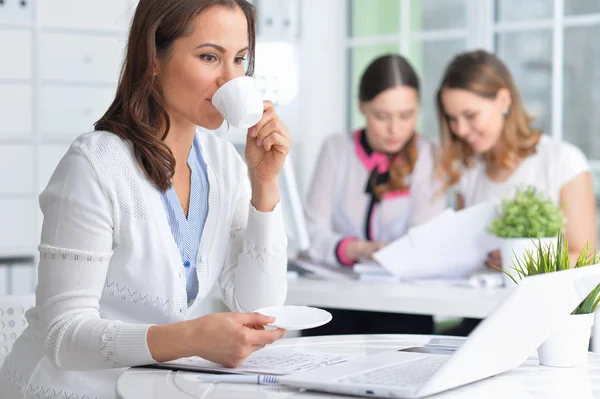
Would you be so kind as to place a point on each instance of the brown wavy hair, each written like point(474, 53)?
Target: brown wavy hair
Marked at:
point(484, 74)
point(137, 114)
point(387, 72)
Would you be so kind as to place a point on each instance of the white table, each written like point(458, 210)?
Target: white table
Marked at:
point(418, 298)
point(527, 381)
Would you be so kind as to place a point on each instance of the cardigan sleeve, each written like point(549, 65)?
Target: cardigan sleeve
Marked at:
point(75, 251)
point(255, 270)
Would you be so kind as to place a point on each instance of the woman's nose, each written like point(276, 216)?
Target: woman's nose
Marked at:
point(394, 127)
point(226, 75)
point(461, 127)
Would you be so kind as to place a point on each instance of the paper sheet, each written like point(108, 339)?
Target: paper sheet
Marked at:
point(452, 244)
point(271, 360)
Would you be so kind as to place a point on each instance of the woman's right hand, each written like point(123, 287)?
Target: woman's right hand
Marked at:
point(224, 338)
point(363, 249)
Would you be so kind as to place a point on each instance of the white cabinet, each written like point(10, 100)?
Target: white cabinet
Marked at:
point(69, 111)
point(59, 66)
point(17, 235)
point(80, 58)
point(85, 14)
point(15, 110)
point(16, 169)
point(15, 51)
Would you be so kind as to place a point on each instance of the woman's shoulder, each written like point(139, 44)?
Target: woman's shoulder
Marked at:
point(100, 146)
point(339, 141)
point(99, 139)
point(427, 145)
point(336, 144)
point(554, 149)
point(561, 159)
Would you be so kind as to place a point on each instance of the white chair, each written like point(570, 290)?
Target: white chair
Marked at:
point(12, 320)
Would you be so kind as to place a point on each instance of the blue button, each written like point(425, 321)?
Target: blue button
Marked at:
point(186, 264)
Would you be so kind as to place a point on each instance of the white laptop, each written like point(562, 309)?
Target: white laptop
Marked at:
point(504, 340)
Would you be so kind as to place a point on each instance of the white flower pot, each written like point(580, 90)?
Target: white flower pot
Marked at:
point(516, 248)
point(568, 346)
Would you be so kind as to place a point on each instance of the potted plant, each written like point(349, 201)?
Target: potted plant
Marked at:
point(527, 216)
point(568, 346)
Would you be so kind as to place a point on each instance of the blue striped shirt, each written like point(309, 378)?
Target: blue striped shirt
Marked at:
point(187, 232)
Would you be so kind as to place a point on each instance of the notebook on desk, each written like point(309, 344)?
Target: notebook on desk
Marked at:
point(504, 340)
point(273, 360)
point(367, 272)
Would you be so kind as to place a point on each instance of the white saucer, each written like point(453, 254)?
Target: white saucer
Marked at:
point(296, 317)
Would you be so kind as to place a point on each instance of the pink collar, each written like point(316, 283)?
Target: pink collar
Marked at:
point(373, 160)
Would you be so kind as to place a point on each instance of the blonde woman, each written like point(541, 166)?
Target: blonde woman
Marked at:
point(489, 147)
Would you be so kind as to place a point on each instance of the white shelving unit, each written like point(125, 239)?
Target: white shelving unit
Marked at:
point(59, 69)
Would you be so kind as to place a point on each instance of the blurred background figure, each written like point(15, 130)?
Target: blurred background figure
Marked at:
point(371, 186)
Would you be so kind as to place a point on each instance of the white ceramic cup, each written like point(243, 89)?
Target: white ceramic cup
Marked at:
point(240, 102)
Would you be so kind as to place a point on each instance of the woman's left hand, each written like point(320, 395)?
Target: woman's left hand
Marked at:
point(494, 260)
point(267, 145)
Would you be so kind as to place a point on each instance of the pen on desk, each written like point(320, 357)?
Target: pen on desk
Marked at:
point(240, 379)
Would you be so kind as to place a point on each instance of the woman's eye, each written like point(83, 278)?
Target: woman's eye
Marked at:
point(208, 57)
point(470, 117)
point(240, 60)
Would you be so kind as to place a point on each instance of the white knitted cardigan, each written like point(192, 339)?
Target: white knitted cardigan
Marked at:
point(109, 267)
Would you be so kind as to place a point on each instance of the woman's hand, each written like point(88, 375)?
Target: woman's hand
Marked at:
point(363, 249)
point(224, 338)
point(494, 260)
point(267, 146)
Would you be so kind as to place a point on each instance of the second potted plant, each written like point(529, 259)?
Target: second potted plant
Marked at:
point(523, 220)
point(568, 346)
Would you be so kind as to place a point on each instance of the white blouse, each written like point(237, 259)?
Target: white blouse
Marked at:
point(338, 207)
point(554, 164)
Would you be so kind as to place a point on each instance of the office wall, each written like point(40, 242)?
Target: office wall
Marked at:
point(60, 63)
point(323, 88)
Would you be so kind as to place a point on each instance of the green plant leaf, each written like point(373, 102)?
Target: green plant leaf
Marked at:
point(548, 258)
point(528, 214)
point(588, 305)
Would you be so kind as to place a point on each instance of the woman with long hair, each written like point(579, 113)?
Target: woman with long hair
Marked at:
point(490, 148)
point(143, 216)
point(371, 187)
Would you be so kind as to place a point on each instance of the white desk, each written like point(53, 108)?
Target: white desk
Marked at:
point(527, 381)
point(417, 298)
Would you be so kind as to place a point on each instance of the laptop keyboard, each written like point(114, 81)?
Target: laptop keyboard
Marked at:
point(410, 374)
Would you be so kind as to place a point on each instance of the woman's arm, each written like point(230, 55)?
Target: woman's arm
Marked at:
point(224, 338)
point(75, 251)
point(255, 271)
point(578, 203)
